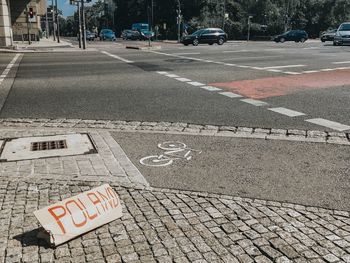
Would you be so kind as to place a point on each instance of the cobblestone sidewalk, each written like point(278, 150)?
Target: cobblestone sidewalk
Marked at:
point(159, 225)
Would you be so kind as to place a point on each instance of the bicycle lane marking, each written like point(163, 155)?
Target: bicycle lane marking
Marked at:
point(173, 150)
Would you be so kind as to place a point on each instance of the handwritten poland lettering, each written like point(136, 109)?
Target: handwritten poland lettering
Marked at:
point(77, 215)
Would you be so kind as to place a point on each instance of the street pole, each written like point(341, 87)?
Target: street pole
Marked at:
point(178, 22)
point(83, 23)
point(223, 16)
point(152, 15)
point(53, 21)
point(28, 26)
point(47, 25)
point(248, 37)
point(79, 18)
point(148, 16)
point(58, 23)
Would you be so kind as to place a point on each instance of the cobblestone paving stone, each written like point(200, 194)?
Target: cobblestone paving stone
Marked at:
point(161, 225)
point(110, 161)
point(171, 127)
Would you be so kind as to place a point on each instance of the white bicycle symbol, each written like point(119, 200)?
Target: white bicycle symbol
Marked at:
point(173, 151)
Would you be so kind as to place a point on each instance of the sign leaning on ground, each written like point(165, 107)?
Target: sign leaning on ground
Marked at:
point(79, 214)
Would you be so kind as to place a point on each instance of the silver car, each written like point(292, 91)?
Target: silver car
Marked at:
point(343, 35)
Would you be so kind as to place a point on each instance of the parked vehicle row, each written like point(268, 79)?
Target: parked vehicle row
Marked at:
point(342, 36)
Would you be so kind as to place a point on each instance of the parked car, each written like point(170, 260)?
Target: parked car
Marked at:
point(131, 34)
point(328, 35)
point(88, 35)
point(292, 35)
point(342, 36)
point(206, 35)
point(144, 30)
point(107, 34)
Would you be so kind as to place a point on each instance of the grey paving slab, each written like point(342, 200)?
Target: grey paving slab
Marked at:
point(313, 174)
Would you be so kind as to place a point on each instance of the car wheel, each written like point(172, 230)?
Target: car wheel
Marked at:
point(282, 40)
point(220, 41)
point(195, 42)
point(302, 40)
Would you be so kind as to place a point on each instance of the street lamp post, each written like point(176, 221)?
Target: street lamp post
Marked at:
point(58, 23)
point(178, 22)
point(249, 18)
point(53, 21)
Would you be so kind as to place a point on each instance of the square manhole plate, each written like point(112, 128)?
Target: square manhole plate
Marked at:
point(28, 148)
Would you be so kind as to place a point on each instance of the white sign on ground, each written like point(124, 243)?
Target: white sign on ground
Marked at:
point(79, 214)
point(173, 151)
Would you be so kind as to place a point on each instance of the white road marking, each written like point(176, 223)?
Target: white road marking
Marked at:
point(329, 124)
point(195, 83)
point(274, 70)
point(292, 73)
point(210, 88)
point(183, 79)
point(310, 71)
point(342, 68)
point(327, 69)
point(246, 58)
point(117, 57)
point(8, 68)
point(341, 62)
point(287, 112)
point(172, 76)
point(183, 54)
point(235, 51)
point(230, 94)
point(257, 103)
point(286, 66)
point(162, 72)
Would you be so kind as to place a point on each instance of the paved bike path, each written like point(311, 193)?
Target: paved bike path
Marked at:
point(314, 174)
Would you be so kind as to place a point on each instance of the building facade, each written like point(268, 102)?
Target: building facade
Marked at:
point(16, 23)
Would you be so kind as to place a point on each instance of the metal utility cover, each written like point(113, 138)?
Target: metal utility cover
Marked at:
point(22, 148)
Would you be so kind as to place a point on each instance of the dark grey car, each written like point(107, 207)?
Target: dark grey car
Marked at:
point(206, 35)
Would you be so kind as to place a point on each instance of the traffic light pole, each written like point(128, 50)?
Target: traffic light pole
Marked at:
point(53, 21)
point(28, 26)
point(58, 23)
point(83, 23)
point(79, 16)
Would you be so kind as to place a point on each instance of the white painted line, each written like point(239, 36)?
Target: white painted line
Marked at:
point(3, 76)
point(287, 112)
point(195, 83)
point(292, 73)
point(183, 79)
point(327, 69)
point(274, 70)
point(210, 88)
point(1, 79)
point(6, 71)
point(230, 94)
point(162, 72)
point(310, 71)
point(257, 68)
point(231, 65)
point(329, 124)
point(257, 103)
point(286, 66)
point(342, 68)
point(172, 76)
point(117, 57)
point(235, 51)
point(341, 62)
point(179, 54)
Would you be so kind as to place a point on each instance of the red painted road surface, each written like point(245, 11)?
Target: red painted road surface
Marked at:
point(279, 86)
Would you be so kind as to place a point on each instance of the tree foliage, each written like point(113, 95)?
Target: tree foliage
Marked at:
point(269, 17)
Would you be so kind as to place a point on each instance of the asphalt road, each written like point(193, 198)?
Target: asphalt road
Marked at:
point(314, 174)
point(125, 84)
